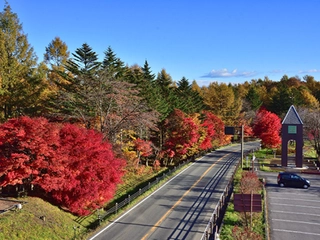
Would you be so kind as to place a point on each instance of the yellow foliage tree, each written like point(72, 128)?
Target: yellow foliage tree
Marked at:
point(220, 98)
point(309, 100)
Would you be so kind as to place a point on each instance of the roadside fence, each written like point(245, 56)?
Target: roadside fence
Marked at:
point(118, 205)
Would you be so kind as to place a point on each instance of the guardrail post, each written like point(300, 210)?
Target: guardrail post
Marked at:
point(214, 226)
point(129, 199)
point(218, 209)
point(215, 233)
point(99, 219)
point(116, 207)
point(139, 191)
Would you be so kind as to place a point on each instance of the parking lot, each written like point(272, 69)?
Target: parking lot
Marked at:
point(293, 213)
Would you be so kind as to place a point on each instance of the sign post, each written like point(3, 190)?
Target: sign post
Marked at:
point(253, 158)
point(231, 131)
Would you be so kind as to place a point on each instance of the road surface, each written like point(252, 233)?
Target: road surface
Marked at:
point(182, 207)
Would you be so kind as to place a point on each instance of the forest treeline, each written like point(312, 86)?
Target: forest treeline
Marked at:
point(148, 118)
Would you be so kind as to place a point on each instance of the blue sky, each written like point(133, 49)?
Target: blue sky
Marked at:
point(203, 40)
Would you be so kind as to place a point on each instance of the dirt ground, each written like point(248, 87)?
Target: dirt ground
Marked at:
point(7, 204)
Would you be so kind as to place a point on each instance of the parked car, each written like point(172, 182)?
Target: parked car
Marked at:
point(287, 179)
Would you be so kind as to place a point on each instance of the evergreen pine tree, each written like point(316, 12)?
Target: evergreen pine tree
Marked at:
point(76, 97)
point(113, 65)
point(253, 98)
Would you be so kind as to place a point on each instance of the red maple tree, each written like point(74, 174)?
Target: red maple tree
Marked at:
point(143, 149)
point(25, 144)
point(73, 165)
point(209, 127)
point(218, 138)
point(182, 135)
point(267, 126)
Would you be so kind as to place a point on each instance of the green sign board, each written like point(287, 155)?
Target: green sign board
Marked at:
point(292, 129)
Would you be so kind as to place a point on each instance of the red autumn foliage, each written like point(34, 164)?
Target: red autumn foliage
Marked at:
point(143, 147)
point(250, 183)
point(267, 127)
point(247, 129)
point(156, 165)
point(218, 138)
point(182, 135)
point(73, 165)
point(25, 145)
point(209, 126)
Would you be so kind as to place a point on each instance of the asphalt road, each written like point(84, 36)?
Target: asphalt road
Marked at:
point(293, 213)
point(181, 208)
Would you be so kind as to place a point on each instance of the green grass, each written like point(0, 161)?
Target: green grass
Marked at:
point(233, 218)
point(58, 224)
point(26, 223)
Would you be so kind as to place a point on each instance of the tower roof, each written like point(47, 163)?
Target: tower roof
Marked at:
point(292, 117)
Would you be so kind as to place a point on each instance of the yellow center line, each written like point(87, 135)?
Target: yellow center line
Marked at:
point(179, 201)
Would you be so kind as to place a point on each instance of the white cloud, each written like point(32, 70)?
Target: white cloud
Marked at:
point(277, 71)
point(310, 71)
point(224, 73)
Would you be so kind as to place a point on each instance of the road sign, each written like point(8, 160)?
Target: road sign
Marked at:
point(229, 130)
point(247, 202)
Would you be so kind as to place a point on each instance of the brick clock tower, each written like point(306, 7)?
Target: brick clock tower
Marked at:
point(292, 129)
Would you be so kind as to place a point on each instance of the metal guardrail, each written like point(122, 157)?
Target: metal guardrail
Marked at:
point(212, 227)
point(129, 198)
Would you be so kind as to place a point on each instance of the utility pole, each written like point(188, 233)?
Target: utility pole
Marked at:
point(242, 146)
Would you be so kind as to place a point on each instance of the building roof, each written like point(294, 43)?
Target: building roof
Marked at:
point(292, 117)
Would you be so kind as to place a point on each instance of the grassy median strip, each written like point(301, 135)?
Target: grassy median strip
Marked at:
point(243, 225)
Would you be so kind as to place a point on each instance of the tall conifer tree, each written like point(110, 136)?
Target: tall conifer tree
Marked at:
point(20, 85)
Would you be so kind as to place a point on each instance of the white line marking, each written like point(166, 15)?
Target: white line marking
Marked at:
point(295, 194)
point(293, 205)
point(309, 214)
point(289, 231)
point(291, 221)
point(116, 220)
point(296, 199)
